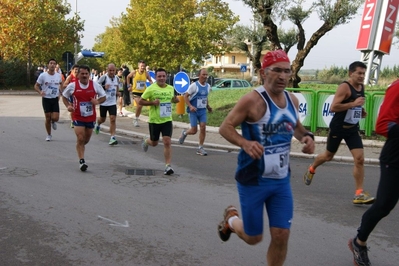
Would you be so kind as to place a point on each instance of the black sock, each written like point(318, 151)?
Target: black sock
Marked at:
point(82, 160)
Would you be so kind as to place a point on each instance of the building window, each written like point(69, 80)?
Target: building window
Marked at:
point(233, 59)
point(217, 59)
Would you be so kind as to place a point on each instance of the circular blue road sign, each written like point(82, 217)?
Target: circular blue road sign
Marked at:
point(181, 82)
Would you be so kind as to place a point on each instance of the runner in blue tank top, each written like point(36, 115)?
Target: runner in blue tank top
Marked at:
point(196, 99)
point(269, 119)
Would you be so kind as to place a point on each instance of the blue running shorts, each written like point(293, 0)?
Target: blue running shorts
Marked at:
point(197, 117)
point(275, 195)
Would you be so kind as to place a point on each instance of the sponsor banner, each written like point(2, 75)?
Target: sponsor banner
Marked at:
point(305, 108)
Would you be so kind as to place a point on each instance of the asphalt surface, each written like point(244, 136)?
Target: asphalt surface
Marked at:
point(53, 214)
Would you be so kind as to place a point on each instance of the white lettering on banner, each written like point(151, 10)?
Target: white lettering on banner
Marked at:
point(389, 20)
point(325, 112)
point(368, 16)
point(303, 104)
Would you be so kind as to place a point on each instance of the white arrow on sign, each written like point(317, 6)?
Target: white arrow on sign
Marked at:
point(182, 82)
point(113, 223)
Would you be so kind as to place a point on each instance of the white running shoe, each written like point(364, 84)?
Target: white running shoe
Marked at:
point(48, 138)
point(168, 170)
point(54, 125)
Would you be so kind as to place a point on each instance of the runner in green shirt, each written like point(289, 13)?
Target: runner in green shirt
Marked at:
point(160, 96)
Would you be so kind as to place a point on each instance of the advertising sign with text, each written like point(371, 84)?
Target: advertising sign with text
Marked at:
point(368, 25)
point(386, 26)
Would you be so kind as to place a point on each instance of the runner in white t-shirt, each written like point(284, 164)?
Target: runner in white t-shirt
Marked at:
point(110, 83)
point(48, 86)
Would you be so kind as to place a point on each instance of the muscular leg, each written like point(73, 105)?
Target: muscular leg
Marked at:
point(239, 230)
point(120, 104)
point(322, 158)
point(192, 131)
point(167, 150)
point(112, 124)
point(151, 142)
point(358, 169)
point(202, 133)
point(138, 107)
point(101, 120)
point(277, 251)
point(80, 141)
point(55, 117)
point(47, 123)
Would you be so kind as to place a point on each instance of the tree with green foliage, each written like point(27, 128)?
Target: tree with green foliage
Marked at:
point(168, 33)
point(34, 31)
point(273, 12)
point(243, 37)
point(111, 43)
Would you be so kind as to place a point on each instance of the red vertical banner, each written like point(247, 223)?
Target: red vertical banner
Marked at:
point(386, 26)
point(368, 25)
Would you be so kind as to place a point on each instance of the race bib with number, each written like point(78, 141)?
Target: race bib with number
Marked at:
point(52, 90)
point(111, 92)
point(165, 109)
point(140, 85)
point(86, 109)
point(202, 102)
point(353, 115)
point(276, 158)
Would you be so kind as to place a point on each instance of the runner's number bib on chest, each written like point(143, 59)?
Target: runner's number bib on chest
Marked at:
point(276, 158)
point(165, 109)
point(202, 102)
point(86, 109)
point(353, 115)
point(140, 85)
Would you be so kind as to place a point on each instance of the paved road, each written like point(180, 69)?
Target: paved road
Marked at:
point(52, 214)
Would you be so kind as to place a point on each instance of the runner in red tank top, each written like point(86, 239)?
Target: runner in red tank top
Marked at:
point(83, 92)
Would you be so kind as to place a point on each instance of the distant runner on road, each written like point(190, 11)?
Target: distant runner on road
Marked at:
point(48, 85)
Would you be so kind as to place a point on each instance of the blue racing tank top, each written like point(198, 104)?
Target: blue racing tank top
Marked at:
point(274, 131)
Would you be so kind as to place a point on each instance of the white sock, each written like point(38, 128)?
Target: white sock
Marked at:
point(230, 221)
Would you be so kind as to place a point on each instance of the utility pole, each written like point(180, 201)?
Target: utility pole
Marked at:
point(252, 48)
point(76, 44)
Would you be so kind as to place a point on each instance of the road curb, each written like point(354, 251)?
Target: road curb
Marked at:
point(232, 148)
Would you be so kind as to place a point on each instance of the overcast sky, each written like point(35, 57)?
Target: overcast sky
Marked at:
point(336, 48)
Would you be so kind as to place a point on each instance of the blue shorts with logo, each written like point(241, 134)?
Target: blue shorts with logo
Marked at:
point(197, 117)
point(273, 194)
